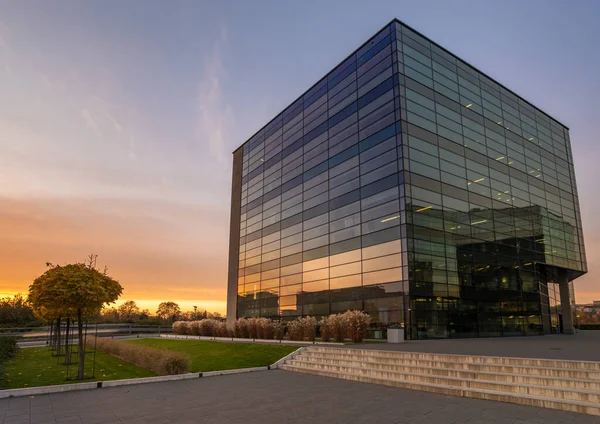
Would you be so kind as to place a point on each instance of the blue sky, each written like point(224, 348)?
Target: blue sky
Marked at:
point(117, 119)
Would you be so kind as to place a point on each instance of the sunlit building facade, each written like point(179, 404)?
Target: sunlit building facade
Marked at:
point(411, 186)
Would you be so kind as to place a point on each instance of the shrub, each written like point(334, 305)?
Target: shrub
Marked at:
point(241, 328)
point(279, 330)
point(161, 361)
point(357, 324)
point(309, 327)
point(589, 326)
point(325, 327)
point(8, 348)
point(181, 327)
point(337, 326)
point(296, 329)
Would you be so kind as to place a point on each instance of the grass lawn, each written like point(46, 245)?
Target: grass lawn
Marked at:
point(33, 366)
point(216, 356)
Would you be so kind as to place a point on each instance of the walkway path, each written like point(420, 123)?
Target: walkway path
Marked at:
point(270, 397)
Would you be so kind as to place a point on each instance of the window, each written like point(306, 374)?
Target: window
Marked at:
point(385, 276)
point(383, 262)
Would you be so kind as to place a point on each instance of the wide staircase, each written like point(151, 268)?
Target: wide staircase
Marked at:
point(565, 385)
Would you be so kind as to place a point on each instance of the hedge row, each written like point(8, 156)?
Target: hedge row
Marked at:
point(161, 361)
point(205, 327)
point(8, 349)
point(351, 324)
point(589, 326)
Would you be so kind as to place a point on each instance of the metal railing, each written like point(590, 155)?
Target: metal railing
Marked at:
point(104, 330)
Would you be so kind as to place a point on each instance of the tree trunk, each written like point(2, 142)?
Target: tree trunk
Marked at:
point(51, 334)
point(67, 355)
point(81, 344)
point(58, 341)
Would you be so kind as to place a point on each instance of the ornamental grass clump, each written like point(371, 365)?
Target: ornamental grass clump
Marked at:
point(309, 327)
point(338, 327)
point(194, 328)
point(160, 361)
point(181, 327)
point(221, 329)
point(296, 330)
point(252, 328)
point(208, 327)
point(357, 324)
point(325, 328)
point(241, 328)
point(278, 330)
point(265, 328)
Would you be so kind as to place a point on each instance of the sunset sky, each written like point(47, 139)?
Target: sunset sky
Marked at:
point(118, 118)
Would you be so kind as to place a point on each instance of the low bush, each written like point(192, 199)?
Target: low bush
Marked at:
point(8, 348)
point(160, 361)
point(589, 326)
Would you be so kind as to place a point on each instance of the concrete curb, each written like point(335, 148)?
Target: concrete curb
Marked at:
point(238, 371)
point(44, 390)
point(145, 380)
point(235, 339)
point(30, 391)
point(287, 357)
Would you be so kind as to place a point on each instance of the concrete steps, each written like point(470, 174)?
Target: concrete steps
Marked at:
point(565, 385)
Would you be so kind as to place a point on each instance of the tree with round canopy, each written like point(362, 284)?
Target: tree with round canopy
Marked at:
point(75, 291)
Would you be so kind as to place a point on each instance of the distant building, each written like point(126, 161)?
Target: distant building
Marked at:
point(410, 185)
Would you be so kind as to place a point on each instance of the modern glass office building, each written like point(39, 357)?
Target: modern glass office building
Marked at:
point(409, 185)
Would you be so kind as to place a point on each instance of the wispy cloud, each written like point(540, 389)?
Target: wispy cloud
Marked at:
point(113, 120)
point(215, 115)
point(90, 122)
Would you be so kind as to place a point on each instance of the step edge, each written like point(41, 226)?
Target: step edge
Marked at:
point(582, 380)
point(332, 349)
point(520, 395)
point(345, 352)
point(533, 386)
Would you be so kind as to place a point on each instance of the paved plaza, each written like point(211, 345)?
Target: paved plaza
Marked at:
point(583, 346)
point(269, 397)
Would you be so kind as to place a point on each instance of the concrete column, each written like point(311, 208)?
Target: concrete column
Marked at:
point(565, 302)
point(234, 238)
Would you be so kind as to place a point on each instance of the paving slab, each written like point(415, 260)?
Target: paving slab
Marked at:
point(583, 346)
point(275, 396)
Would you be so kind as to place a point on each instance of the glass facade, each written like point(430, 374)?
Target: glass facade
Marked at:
point(411, 186)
